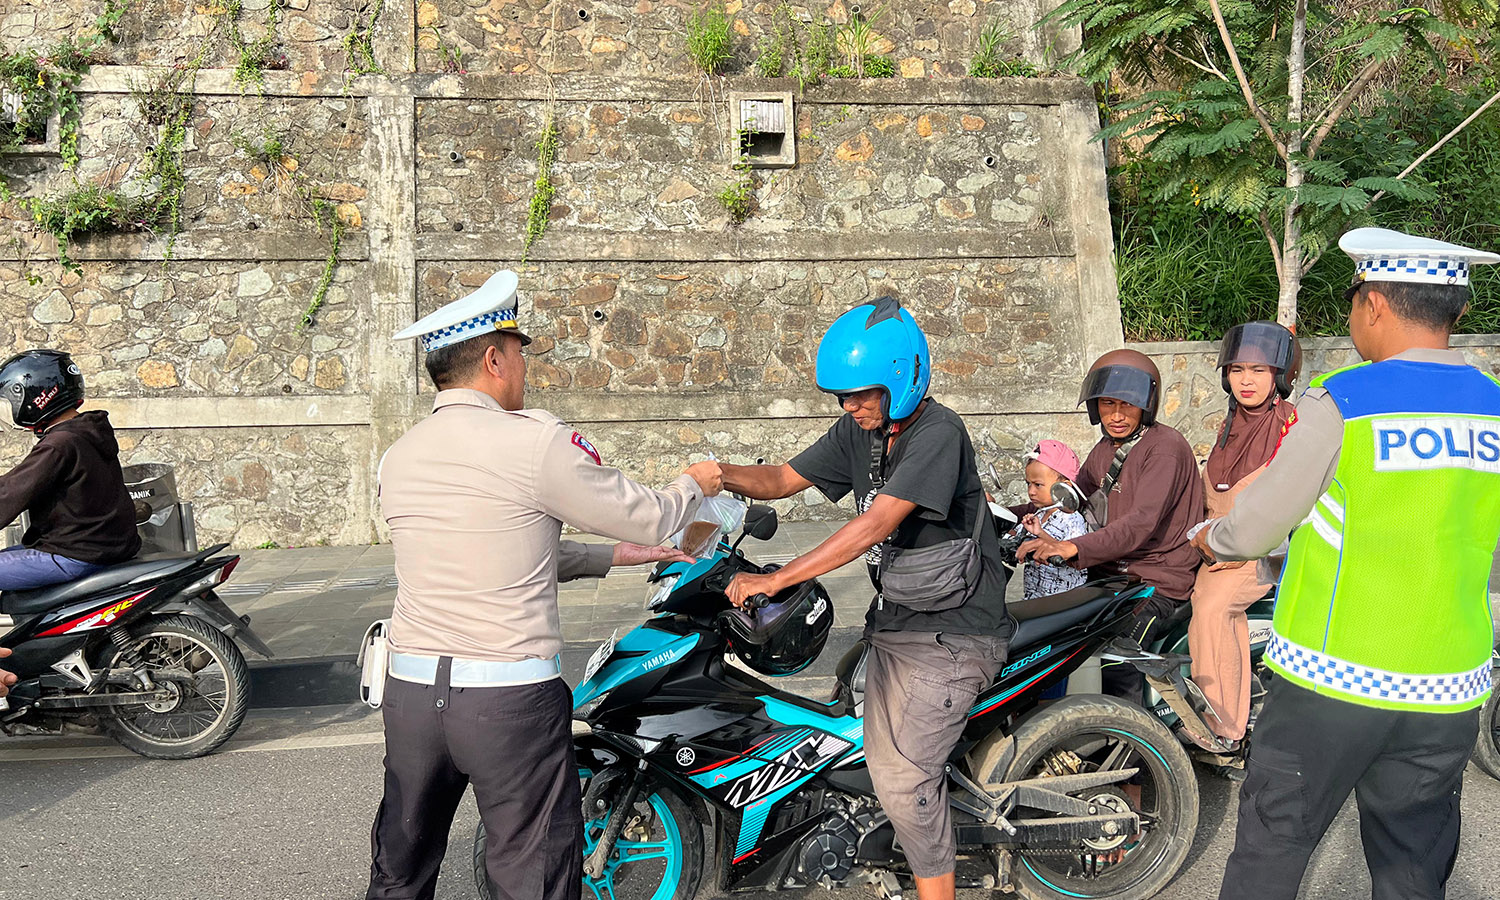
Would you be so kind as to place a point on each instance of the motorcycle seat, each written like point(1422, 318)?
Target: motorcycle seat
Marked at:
point(1037, 607)
point(1042, 620)
point(36, 600)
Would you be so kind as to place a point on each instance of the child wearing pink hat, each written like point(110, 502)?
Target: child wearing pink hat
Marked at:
point(1046, 464)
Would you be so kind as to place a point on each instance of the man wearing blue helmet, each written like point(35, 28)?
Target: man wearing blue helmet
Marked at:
point(938, 628)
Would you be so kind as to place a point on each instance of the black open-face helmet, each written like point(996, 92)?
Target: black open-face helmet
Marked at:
point(1266, 344)
point(1125, 375)
point(786, 635)
point(40, 385)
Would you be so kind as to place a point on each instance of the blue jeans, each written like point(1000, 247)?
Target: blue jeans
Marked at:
point(22, 569)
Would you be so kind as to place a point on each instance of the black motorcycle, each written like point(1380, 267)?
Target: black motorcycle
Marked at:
point(143, 651)
point(1084, 797)
point(1487, 747)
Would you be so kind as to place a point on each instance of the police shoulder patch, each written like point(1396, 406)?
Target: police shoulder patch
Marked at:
point(582, 443)
point(1286, 427)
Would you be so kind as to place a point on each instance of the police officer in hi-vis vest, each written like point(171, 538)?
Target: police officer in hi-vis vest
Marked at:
point(1381, 650)
point(476, 496)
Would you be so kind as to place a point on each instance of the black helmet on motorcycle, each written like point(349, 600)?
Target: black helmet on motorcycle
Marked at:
point(41, 385)
point(1265, 344)
point(784, 636)
point(1125, 375)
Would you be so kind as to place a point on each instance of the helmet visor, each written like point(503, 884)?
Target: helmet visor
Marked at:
point(1123, 383)
point(1257, 343)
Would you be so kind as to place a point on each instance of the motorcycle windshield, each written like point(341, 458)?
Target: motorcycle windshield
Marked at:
point(1121, 383)
point(1257, 343)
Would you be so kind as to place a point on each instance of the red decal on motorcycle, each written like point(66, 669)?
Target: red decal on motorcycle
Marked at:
point(582, 443)
point(98, 619)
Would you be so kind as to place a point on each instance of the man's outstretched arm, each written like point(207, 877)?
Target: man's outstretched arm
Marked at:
point(764, 482)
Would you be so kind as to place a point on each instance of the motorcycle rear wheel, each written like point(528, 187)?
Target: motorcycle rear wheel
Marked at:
point(1487, 747)
point(1086, 733)
point(659, 855)
point(211, 701)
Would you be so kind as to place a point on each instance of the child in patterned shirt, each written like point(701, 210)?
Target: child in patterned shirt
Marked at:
point(1048, 463)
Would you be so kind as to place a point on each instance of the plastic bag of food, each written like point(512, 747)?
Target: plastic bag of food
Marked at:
point(717, 516)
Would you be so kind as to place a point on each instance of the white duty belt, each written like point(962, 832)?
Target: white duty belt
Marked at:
point(419, 668)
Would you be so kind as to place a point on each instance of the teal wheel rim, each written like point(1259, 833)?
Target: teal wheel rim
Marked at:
point(636, 864)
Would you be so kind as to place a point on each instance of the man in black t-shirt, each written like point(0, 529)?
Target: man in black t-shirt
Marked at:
point(909, 462)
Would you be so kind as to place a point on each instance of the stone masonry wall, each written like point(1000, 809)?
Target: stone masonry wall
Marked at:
point(664, 331)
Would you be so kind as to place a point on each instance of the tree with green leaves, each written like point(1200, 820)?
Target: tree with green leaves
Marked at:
point(1257, 107)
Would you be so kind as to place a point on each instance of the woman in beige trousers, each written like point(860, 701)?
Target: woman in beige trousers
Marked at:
point(1258, 363)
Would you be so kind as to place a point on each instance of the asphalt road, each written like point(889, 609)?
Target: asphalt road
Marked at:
point(285, 812)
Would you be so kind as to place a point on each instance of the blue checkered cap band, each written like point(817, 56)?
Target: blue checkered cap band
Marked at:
point(1427, 270)
point(490, 321)
point(1376, 684)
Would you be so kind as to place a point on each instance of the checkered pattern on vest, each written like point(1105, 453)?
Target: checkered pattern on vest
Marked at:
point(1351, 678)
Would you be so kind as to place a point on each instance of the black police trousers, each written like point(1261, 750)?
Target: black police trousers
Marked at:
point(1308, 751)
point(515, 745)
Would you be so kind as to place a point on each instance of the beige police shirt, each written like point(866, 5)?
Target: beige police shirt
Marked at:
point(476, 497)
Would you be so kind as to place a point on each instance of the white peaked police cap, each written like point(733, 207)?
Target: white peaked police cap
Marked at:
point(1381, 254)
point(491, 308)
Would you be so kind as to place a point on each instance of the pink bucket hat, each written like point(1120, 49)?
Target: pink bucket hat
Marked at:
point(1057, 456)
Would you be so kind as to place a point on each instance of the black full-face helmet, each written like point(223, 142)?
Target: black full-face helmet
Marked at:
point(786, 635)
point(40, 385)
point(1262, 343)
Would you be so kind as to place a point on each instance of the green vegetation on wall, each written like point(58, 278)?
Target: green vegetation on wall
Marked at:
point(539, 211)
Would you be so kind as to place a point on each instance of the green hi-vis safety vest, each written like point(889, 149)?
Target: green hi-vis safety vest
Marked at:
point(1384, 600)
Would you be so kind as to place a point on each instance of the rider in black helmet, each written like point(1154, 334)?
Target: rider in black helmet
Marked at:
point(82, 518)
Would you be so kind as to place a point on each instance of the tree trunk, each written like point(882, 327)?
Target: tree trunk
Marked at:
point(1291, 252)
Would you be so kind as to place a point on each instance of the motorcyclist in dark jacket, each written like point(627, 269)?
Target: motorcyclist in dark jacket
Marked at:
point(82, 518)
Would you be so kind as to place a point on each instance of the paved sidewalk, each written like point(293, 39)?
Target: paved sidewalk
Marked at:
point(317, 601)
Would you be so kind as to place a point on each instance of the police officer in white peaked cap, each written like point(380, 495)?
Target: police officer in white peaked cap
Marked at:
point(1381, 638)
point(476, 496)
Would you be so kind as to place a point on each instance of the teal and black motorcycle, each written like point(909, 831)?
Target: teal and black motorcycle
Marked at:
point(1170, 693)
point(1086, 797)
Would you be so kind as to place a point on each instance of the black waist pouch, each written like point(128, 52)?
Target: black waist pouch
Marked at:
point(932, 579)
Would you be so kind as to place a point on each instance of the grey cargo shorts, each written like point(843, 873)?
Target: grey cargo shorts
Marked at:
point(919, 688)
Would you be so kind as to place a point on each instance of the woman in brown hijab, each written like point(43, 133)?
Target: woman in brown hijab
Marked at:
point(1258, 362)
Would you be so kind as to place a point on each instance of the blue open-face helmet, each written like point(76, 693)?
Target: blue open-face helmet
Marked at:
point(876, 345)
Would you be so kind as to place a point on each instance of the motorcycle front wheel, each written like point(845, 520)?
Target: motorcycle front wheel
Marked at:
point(1087, 733)
point(658, 856)
point(208, 679)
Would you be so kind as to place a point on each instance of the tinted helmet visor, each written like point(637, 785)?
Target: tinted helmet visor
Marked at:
point(1257, 343)
point(1123, 383)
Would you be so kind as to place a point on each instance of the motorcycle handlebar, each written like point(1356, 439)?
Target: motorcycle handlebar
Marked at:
point(755, 602)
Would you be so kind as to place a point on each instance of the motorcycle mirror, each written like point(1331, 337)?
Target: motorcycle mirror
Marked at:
point(1066, 497)
point(760, 522)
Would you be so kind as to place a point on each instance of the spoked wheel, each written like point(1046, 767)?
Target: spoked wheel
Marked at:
point(209, 686)
point(658, 856)
point(1089, 734)
point(1487, 748)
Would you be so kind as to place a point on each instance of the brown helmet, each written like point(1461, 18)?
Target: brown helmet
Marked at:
point(1263, 343)
point(1125, 375)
